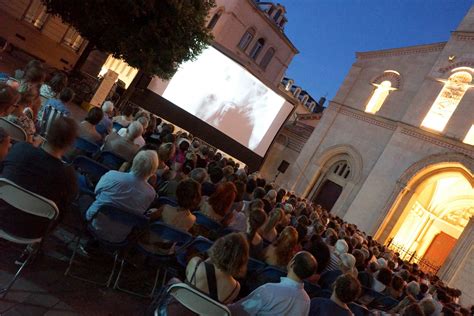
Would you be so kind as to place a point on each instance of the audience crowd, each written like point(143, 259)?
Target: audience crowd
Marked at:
point(331, 266)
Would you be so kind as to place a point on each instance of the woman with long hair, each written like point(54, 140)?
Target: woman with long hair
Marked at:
point(218, 206)
point(255, 221)
point(280, 252)
point(268, 231)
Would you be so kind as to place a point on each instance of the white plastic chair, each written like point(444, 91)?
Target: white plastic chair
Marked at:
point(16, 133)
point(196, 301)
point(31, 203)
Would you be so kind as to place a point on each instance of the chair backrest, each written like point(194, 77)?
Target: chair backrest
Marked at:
point(117, 127)
point(50, 114)
point(86, 165)
point(254, 265)
point(196, 301)
point(358, 310)
point(272, 274)
point(169, 233)
point(164, 200)
point(111, 160)
point(384, 303)
point(200, 244)
point(86, 146)
point(27, 201)
point(328, 278)
point(313, 290)
point(205, 221)
point(121, 216)
point(16, 133)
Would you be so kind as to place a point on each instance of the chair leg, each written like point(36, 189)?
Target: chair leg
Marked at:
point(152, 292)
point(17, 274)
point(71, 260)
point(109, 281)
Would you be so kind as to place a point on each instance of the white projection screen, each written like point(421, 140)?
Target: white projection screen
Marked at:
point(222, 93)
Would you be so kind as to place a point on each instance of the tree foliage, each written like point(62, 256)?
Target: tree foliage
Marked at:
point(152, 35)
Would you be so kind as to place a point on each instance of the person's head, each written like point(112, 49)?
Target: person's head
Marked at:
point(256, 219)
point(360, 258)
point(62, 134)
point(341, 247)
point(134, 130)
point(256, 204)
point(397, 283)
point(188, 194)
point(347, 288)
point(144, 121)
point(412, 310)
point(221, 200)
point(286, 241)
point(384, 276)
point(4, 143)
point(144, 164)
point(302, 265)
point(259, 193)
point(27, 96)
point(274, 218)
point(9, 97)
point(94, 116)
point(66, 95)
point(413, 288)
point(423, 288)
point(428, 306)
point(347, 263)
point(34, 75)
point(58, 82)
point(183, 144)
point(230, 254)
point(127, 111)
point(216, 174)
point(199, 175)
point(166, 152)
point(108, 108)
point(271, 196)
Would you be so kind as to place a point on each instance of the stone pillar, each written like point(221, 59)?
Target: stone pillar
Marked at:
point(458, 269)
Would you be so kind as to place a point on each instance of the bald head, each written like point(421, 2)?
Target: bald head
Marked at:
point(303, 265)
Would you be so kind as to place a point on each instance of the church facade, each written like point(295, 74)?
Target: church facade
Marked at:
point(393, 153)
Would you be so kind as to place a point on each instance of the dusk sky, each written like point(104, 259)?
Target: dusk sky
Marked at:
point(329, 32)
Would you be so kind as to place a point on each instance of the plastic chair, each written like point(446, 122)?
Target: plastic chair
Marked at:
point(368, 296)
point(49, 115)
point(358, 310)
point(384, 303)
point(164, 200)
point(90, 171)
point(16, 133)
point(270, 274)
point(196, 301)
point(312, 289)
point(206, 222)
point(328, 278)
point(254, 265)
point(86, 147)
point(117, 127)
point(111, 160)
point(120, 217)
point(31, 203)
point(162, 231)
point(199, 245)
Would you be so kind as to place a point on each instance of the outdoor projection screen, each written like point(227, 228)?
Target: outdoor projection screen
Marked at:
point(222, 93)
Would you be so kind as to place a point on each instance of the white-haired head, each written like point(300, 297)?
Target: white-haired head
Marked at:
point(134, 130)
point(144, 121)
point(108, 107)
point(145, 164)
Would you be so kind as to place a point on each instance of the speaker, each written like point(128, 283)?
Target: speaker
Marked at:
point(283, 166)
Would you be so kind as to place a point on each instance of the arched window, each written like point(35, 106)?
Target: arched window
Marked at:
point(277, 15)
point(297, 92)
point(214, 20)
point(378, 97)
point(270, 10)
point(267, 58)
point(257, 48)
point(305, 99)
point(246, 39)
point(447, 101)
point(341, 169)
point(289, 84)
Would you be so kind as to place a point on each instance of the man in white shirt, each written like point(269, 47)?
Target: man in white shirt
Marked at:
point(285, 298)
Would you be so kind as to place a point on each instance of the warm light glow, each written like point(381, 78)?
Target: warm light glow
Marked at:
point(379, 96)
point(469, 139)
point(126, 73)
point(447, 101)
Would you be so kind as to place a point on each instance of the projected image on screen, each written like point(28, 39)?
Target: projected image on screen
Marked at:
point(222, 93)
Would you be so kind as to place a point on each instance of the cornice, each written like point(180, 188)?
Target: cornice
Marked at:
point(418, 49)
point(463, 35)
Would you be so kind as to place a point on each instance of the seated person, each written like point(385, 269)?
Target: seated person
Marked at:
point(340, 248)
point(240, 219)
point(279, 253)
point(346, 290)
point(215, 176)
point(285, 298)
point(140, 141)
point(256, 220)
point(124, 146)
point(346, 266)
point(218, 206)
point(128, 191)
point(87, 127)
point(217, 275)
point(188, 194)
point(4, 144)
point(125, 117)
point(23, 117)
point(166, 152)
point(41, 171)
point(9, 97)
point(65, 96)
point(268, 231)
point(105, 126)
point(396, 287)
point(382, 280)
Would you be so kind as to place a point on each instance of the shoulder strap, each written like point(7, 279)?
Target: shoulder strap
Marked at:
point(231, 293)
point(193, 277)
point(211, 280)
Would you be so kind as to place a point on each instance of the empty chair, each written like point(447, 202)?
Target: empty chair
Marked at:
point(166, 234)
point(196, 301)
point(119, 217)
point(111, 160)
point(30, 203)
point(16, 133)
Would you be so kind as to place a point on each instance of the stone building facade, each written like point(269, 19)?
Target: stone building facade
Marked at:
point(394, 151)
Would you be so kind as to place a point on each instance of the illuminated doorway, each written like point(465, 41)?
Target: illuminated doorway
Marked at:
point(436, 214)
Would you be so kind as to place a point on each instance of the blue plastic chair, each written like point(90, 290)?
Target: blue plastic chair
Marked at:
point(111, 160)
point(206, 222)
point(254, 265)
point(312, 289)
point(86, 147)
point(368, 296)
point(383, 303)
point(199, 245)
point(358, 310)
point(328, 278)
point(121, 217)
point(89, 173)
point(165, 200)
point(270, 274)
point(117, 127)
point(163, 231)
